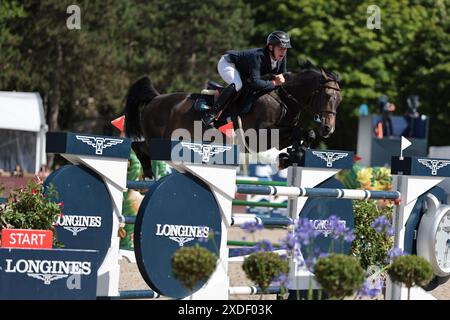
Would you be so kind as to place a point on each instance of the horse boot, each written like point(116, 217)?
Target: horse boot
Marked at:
point(224, 97)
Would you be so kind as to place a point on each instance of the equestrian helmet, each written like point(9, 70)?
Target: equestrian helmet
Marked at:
point(279, 38)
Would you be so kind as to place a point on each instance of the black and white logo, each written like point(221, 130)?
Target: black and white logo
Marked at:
point(434, 165)
point(99, 143)
point(48, 270)
point(330, 157)
point(205, 150)
point(182, 233)
point(76, 224)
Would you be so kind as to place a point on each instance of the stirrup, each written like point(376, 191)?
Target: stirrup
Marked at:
point(208, 120)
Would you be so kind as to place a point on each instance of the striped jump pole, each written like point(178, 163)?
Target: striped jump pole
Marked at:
point(139, 185)
point(240, 243)
point(143, 185)
point(254, 290)
point(240, 219)
point(259, 204)
point(133, 294)
point(262, 182)
point(318, 192)
point(279, 221)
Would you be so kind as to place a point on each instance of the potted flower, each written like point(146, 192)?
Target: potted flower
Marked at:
point(29, 208)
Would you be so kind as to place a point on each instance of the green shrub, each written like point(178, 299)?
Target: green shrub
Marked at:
point(192, 265)
point(29, 208)
point(263, 267)
point(370, 246)
point(411, 270)
point(339, 275)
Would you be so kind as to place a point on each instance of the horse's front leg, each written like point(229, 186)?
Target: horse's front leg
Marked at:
point(142, 153)
point(302, 139)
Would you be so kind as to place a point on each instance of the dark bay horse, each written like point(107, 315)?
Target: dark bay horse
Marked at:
point(149, 114)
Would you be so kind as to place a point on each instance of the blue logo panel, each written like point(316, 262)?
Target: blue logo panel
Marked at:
point(178, 210)
point(48, 274)
point(87, 212)
point(88, 144)
point(194, 152)
point(421, 166)
point(337, 159)
point(320, 209)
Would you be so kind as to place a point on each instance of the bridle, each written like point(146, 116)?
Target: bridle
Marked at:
point(315, 98)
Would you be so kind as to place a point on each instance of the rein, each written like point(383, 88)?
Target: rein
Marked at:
point(312, 101)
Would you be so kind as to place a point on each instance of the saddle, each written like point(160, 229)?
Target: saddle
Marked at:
point(205, 100)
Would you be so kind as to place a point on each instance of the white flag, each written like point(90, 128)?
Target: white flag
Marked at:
point(405, 143)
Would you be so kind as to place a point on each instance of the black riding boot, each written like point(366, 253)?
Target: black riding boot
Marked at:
point(222, 100)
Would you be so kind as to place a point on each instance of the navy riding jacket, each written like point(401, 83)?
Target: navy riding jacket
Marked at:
point(252, 64)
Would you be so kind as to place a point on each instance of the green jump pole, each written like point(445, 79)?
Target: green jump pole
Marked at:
point(239, 243)
point(259, 204)
point(262, 182)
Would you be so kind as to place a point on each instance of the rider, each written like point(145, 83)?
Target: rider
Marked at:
point(235, 67)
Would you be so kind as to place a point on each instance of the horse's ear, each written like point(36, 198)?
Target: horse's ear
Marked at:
point(305, 64)
point(324, 74)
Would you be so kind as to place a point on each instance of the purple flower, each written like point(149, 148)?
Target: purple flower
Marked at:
point(339, 230)
point(305, 232)
point(252, 226)
point(289, 241)
point(390, 232)
point(264, 245)
point(394, 253)
point(312, 258)
point(371, 288)
point(281, 280)
point(349, 236)
point(244, 251)
point(383, 225)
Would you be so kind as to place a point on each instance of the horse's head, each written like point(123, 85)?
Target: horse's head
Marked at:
point(317, 92)
point(326, 99)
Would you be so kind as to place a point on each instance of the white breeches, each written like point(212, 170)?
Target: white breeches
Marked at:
point(229, 73)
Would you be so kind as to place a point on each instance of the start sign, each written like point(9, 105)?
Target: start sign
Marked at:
point(31, 239)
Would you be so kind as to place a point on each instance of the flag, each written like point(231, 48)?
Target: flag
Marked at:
point(119, 123)
point(405, 143)
point(228, 130)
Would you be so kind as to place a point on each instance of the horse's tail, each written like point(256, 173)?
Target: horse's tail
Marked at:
point(140, 93)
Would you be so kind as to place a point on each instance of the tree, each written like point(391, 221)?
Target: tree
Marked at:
point(10, 58)
point(83, 75)
point(184, 40)
point(334, 34)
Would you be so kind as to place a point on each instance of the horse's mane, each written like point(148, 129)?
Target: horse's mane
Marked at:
point(306, 66)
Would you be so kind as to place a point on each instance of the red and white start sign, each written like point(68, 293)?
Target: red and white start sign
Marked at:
point(31, 239)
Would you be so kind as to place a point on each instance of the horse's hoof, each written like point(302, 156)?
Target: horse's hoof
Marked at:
point(148, 173)
point(284, 161)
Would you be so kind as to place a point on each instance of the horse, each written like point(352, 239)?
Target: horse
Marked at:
point(152, 115)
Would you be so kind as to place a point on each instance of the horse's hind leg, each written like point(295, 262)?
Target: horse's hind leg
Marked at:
point(141, 150)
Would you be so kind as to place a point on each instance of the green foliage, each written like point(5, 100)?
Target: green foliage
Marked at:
point(411, 270)
point(339, 275)
point(408, 55)
point(189, 41)
point(191, 265)
point(83, 75)
point(134, 172)
point(10, 59)
point(370, 246)
point(263, 267)
point(29, 208)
